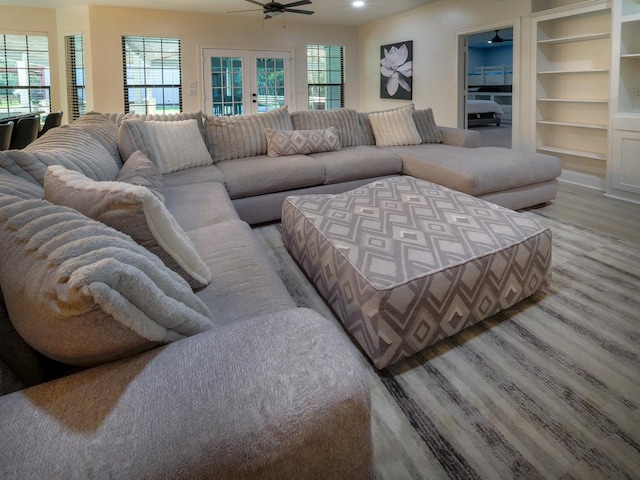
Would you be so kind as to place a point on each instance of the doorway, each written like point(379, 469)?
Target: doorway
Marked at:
point(486, 97)
point(245, 81)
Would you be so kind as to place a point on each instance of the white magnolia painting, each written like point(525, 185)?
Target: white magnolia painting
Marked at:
point(396, 70)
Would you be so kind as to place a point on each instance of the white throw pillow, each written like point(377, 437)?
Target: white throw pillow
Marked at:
point(395, 127)
point(131, 209)
point(172, 146)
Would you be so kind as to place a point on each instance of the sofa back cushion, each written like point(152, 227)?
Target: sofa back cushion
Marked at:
point(140, 170)
point(241, 136)
point(173, 146)
point(69, 146)
point(82, 293)
point(133, 210)
point(344, 120)
point(14, 185)
point(103, 130)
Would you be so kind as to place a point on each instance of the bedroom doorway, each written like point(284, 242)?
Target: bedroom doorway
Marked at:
point(486, 79)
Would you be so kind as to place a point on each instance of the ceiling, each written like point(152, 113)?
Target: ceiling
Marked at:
point(335, 12)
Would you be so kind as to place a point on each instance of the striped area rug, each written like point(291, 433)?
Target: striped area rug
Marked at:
point(547, 389)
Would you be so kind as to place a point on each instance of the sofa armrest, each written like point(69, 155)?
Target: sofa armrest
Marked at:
point(459, 137)
point(278, 396)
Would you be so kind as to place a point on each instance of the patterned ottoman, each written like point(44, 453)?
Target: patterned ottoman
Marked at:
point(405, 263)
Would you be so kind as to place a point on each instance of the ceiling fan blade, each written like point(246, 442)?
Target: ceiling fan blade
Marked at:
point(257, 3)
point(297, 4)
point(293, 10)
point(250, 10)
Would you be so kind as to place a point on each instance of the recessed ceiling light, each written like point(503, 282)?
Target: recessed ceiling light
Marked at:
point(358, 3)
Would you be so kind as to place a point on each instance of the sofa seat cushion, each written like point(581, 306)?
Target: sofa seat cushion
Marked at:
point(245, 177)
point(354, 163)
point(189, 176)
point(477, 171)
point(244, 282)
point(199, 204)
point(83, 293)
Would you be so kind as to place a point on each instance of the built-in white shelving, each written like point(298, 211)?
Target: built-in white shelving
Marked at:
point(572, 50)
point(623, 174)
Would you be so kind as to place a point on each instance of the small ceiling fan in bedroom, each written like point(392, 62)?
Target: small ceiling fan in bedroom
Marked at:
point(497, 38)
point(273, 9)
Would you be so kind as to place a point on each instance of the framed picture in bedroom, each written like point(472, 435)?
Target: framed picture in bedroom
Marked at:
point(396, 70)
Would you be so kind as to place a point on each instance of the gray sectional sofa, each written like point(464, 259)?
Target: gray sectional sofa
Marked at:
point(144, 332)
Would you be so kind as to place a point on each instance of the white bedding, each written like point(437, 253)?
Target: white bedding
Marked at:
point(484, 106)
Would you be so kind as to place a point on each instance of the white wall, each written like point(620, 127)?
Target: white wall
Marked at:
point(434, 29)
point(103, 27)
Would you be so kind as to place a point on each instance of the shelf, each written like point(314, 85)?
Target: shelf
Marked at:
point(574, 124)
point(635, 56)
point(574, 38)
point(574, 100)
point(554, 72)
point(575, 153)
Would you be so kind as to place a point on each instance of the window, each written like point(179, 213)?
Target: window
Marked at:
point(152, 79)
point(25, 77)
point(325, 76)
point(76, 91)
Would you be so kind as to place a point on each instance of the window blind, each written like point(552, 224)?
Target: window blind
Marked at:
point(152, 74)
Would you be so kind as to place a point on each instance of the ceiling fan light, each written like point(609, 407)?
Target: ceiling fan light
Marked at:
point(275, 13)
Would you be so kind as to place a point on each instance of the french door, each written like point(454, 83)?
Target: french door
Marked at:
point(245, 81)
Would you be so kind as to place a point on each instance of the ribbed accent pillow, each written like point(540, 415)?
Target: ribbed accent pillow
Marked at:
point(82, 293)
point(173, 146)
point(426, 126)
point(365, 125)
point(170, 117)
point(345, 120)
point(301, 142)
point(240, 136)
point(395, 127)
point(133, 210)
point(140, 170)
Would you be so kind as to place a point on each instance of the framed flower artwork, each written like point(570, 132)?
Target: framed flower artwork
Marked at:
point(396, 70)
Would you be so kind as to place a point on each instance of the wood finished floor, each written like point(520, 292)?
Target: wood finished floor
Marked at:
point(592, 209)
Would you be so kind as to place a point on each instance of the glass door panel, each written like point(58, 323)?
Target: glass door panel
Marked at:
point(226, 85)
point(270, 83)
point(245, 81)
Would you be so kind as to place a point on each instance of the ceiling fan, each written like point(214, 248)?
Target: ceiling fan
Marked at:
point(497, 38)
point(273, 9)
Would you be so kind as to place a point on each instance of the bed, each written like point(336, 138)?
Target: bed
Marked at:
point(483, 112)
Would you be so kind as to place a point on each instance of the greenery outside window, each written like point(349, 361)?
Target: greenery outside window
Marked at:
point(76, 90)
point(25, 76)
point(325, 76)
point(152, 75)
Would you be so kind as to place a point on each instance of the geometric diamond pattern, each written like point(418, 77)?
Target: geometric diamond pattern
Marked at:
point(405, 262)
